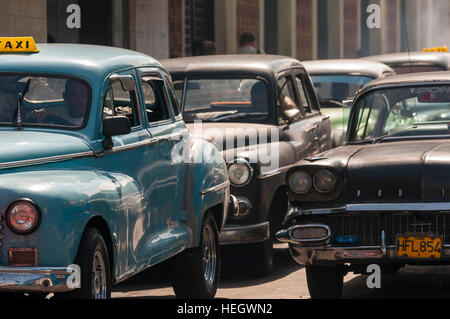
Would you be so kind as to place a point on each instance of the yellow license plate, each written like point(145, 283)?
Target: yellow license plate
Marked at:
point(414, 246)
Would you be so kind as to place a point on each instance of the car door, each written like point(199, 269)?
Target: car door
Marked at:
point(299, 131)
point(308, 101)
point(125, 163)
point(165, 235)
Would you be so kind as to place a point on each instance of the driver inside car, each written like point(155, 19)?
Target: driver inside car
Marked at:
point(259, 97)
point(71, 112)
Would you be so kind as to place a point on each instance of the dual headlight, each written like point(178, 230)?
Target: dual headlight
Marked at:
point(240, 172)
point(22, 217)
point(323, 181)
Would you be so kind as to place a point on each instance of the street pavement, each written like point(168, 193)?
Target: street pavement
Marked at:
point(289, 281)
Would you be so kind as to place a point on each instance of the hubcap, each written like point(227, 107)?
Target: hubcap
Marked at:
point(98, 276)
point(209, 255)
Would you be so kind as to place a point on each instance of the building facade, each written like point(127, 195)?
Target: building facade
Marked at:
point(306, 29)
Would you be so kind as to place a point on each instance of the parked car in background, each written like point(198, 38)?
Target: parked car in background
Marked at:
point(383, 198)
point(336, 82)
point(414, 62)
point(88, 178)
point(253, 105)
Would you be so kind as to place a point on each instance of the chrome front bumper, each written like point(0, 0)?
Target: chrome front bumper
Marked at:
point(37, 279)
point(339, 255)
point(248, 234)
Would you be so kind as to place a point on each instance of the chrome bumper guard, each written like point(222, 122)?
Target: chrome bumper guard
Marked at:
point(36, 279)
point(248, 234)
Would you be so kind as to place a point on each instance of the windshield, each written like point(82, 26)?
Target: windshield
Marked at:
point(48, 101)
point(337, 87)
point(209, 100)
point(401, 112)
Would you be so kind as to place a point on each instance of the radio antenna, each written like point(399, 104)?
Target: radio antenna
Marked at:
point(406, 34)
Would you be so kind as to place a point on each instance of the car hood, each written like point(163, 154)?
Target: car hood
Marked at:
point(233, 135)
point(23, 148)
point(399, 171)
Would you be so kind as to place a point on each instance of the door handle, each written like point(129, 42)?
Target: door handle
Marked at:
point(326, 118)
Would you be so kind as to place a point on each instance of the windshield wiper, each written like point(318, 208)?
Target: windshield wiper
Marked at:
point(238, 115)
point(19, 104)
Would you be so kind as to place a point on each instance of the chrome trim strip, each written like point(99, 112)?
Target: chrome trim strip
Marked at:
point(389, 207)
point(44, 160)
point(215, 188)
point(380, 207)
point(176, 137)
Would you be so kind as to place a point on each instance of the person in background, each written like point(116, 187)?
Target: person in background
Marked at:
point(203, 47)
point(247, 44)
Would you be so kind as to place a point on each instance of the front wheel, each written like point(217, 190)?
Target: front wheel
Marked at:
point(325, 282)
point(92, 258)
point(196, 271)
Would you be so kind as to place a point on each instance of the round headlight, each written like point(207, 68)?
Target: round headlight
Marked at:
point(22, 217)
point(240, 172)
point(300, 182)
point(324, 181)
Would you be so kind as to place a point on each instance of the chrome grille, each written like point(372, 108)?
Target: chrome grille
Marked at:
point(368, 227)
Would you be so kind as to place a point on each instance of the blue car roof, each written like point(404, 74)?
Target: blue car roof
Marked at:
point(90, 62)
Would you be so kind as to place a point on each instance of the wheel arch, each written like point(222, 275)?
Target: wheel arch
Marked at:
point(100, 224)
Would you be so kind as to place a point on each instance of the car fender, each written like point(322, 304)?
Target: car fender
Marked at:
point(206, 184)
point(67, 200)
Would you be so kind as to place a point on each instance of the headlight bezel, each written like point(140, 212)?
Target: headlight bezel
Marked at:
point(307, 175)
point(240, 161)
point(313, 195)
point(321, 190)
point(37, 219)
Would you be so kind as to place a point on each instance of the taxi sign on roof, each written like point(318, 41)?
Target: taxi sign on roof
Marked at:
point(17, 45)
point(437, 49)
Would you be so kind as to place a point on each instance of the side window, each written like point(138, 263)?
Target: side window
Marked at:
point(372, 110)
point(155, 100)
point(303, 95)
point(120, 102)
point(286, 96)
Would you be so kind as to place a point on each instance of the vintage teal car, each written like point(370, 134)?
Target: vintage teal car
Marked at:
point(98, 173)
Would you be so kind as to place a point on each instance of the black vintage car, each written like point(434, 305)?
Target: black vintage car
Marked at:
point(384, 197)
point(413, 62)
point(262, 112)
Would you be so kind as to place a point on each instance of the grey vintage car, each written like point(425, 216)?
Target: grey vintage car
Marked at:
point(413, 62)
point(383, 198)
point(262, 112)
point(336, 81)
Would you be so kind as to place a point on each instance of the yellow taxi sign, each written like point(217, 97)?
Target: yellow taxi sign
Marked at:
point(437, 49)
point(18, 45)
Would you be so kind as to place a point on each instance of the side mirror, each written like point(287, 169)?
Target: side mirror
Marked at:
point(291, 115)
point(113, 126)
